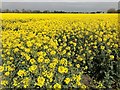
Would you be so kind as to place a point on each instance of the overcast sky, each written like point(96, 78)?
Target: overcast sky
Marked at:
point(60, 0)
point(64, 6)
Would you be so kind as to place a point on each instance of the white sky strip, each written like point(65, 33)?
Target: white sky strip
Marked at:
point(60, 0)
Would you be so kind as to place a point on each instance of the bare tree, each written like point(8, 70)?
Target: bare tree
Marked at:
point(111, 10)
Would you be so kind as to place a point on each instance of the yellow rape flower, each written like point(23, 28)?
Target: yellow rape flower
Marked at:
point(27, 50)
point(45, 47)
point(10, 68)
point(26, 82)
point(53, 52)
point(32, 68)
point(7, 73)
point(27, 57)
point(63, 52)
point(111, 57)
point(46, 60)
point(32, 61)
point(102, 47)
point(21, 73)
point(29, 44)
point(4, 82)
point(57, 86)
point(52, 65)
point(116, 45)
point(1, 68)
point(16, 50)
point(40, 59)
point(40, 81)
point(62, 69)
point(15, 82)
point(11, 58)
point(78, 65)
point(67, 80)
point(79, 58)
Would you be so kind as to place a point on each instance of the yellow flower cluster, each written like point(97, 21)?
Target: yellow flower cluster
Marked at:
point(62, 69)
point(51, 50)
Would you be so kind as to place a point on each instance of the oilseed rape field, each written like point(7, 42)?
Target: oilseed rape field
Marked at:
point(58, 51)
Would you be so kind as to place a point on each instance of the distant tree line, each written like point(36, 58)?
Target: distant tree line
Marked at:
point(111, 10)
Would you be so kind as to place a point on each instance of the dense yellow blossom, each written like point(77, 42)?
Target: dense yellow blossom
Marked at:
point(57, 50)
